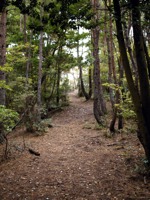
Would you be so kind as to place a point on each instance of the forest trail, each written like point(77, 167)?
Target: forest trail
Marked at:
point(77, 162)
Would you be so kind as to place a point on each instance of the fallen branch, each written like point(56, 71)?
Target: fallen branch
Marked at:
point(34, 152)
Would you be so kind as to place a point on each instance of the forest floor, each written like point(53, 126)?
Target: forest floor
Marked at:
point(78, 161)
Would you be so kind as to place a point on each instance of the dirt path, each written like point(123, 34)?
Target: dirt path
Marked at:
point(77, 162)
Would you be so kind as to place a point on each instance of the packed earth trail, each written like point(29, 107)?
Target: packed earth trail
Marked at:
point(78, 161)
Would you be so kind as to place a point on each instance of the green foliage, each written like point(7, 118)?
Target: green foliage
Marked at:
point(126, 108)
point(43, 126)
point(8, 119)
point(4, 85)
point(16, 97)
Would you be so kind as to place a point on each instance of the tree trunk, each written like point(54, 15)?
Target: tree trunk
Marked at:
point(128, 46)
point(58, 85)
point(147, 56)
point(120, 117)
point(108, 36)
point(99, 104)
point(39, 100)
point(3, 17)
point(141, 61)
point(28, 60)
point(81, 83)
point(90, 82)
point(143, 133)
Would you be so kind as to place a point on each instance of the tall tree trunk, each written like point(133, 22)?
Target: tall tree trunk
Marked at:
point(99, 107)
point(90, 82)
point(143, 133)
point(81, 83)
point(141, 61)
point(130, 51)
point(108, 36)
point(39, 91)
point(28, 60)
point(120, 117)
point(3, 17)
point(147, 56)
point(58, 85)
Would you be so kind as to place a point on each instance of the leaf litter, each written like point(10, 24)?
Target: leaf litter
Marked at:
point(76, 162)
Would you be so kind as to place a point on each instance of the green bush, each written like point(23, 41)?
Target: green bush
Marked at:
point(8, 119)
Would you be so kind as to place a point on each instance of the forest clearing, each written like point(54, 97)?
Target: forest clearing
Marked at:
point(77, 161)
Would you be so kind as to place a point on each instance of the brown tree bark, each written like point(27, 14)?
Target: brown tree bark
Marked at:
point(90, 82)
point(143, 133)
point(130, 51)
point(99, 106)
point(141, 61)
point(39, 90)
point(58, 85)
point(109, 41)
point(81, 83)
point(3, 18)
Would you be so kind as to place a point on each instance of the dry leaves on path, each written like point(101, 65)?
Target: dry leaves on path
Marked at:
point(76, 162)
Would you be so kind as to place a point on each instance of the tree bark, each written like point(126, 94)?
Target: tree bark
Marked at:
point(3, 18)
point(141, 61)
point(39, 91)
point(130, 51)
point(99, 106)
point(108, 36)
point(58, 85)
point(81, 83)
point(90, 82)
point(143, 133)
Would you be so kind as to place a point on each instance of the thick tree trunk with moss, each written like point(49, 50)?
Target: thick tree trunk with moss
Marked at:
point(139, 101)
point(3, 17)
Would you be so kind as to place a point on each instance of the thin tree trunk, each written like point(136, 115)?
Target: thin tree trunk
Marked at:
point(128, 46)
point(90, 82)
point(58, 85)
point(120, 117)
point(28, 60)
point(110, 53)
point(81, 83)
point(39, 100)
point(3, 18)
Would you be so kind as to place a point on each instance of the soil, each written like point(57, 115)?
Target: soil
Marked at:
point(78, 161)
